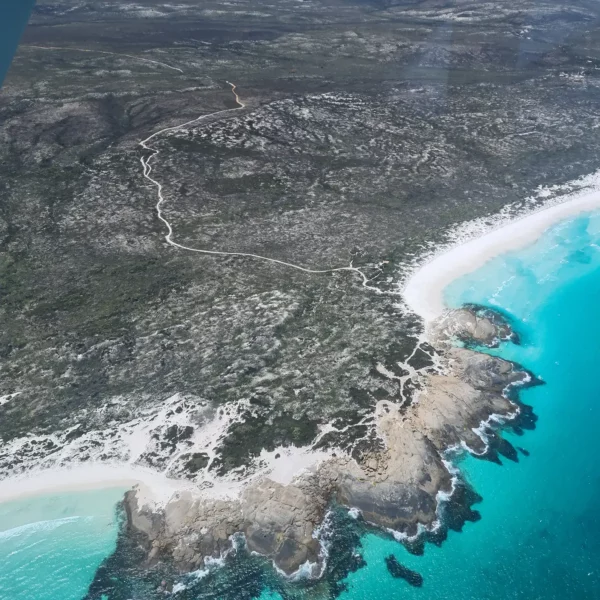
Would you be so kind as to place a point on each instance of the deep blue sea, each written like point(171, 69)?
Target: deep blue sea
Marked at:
point(539, 535)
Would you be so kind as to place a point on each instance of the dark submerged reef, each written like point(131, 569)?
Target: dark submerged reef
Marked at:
point(125, 575)
point(401, 572)
point(524, 420)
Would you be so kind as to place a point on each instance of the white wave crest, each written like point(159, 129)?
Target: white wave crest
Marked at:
point(38, 526)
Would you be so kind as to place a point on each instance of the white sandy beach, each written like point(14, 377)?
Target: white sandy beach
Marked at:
point(84, 477)
point(156, 488)
point(423, 291)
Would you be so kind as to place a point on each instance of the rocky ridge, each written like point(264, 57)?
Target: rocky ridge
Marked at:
point(395, 487)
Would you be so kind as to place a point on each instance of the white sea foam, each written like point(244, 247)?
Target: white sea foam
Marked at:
point(495, 418)
point(211, 563)
point(323, 535)
point(354, 513)
point(442, 497)
point(195, 576)
point(309, 569)
point(38, 526)
point(401, 536)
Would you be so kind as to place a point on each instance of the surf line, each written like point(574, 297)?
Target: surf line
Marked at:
point(154, 62)
point(145, 161)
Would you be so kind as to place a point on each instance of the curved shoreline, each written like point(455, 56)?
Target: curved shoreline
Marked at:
point(155, 487)
point(82, 478)
point(423, 290)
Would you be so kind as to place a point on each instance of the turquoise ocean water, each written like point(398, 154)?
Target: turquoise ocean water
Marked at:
point(539, 535)
point(51, 546)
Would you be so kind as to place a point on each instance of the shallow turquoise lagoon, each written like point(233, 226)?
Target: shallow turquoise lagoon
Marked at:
point(51, 546)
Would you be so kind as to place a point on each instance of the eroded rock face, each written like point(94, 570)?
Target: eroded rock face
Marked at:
point(395, 487)
point(277, 520)
point(400, 492)
point(452, 405)
point(471, 324)
point(280, 520)
point(187, 529)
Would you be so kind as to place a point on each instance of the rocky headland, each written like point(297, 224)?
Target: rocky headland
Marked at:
point(395, 486)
